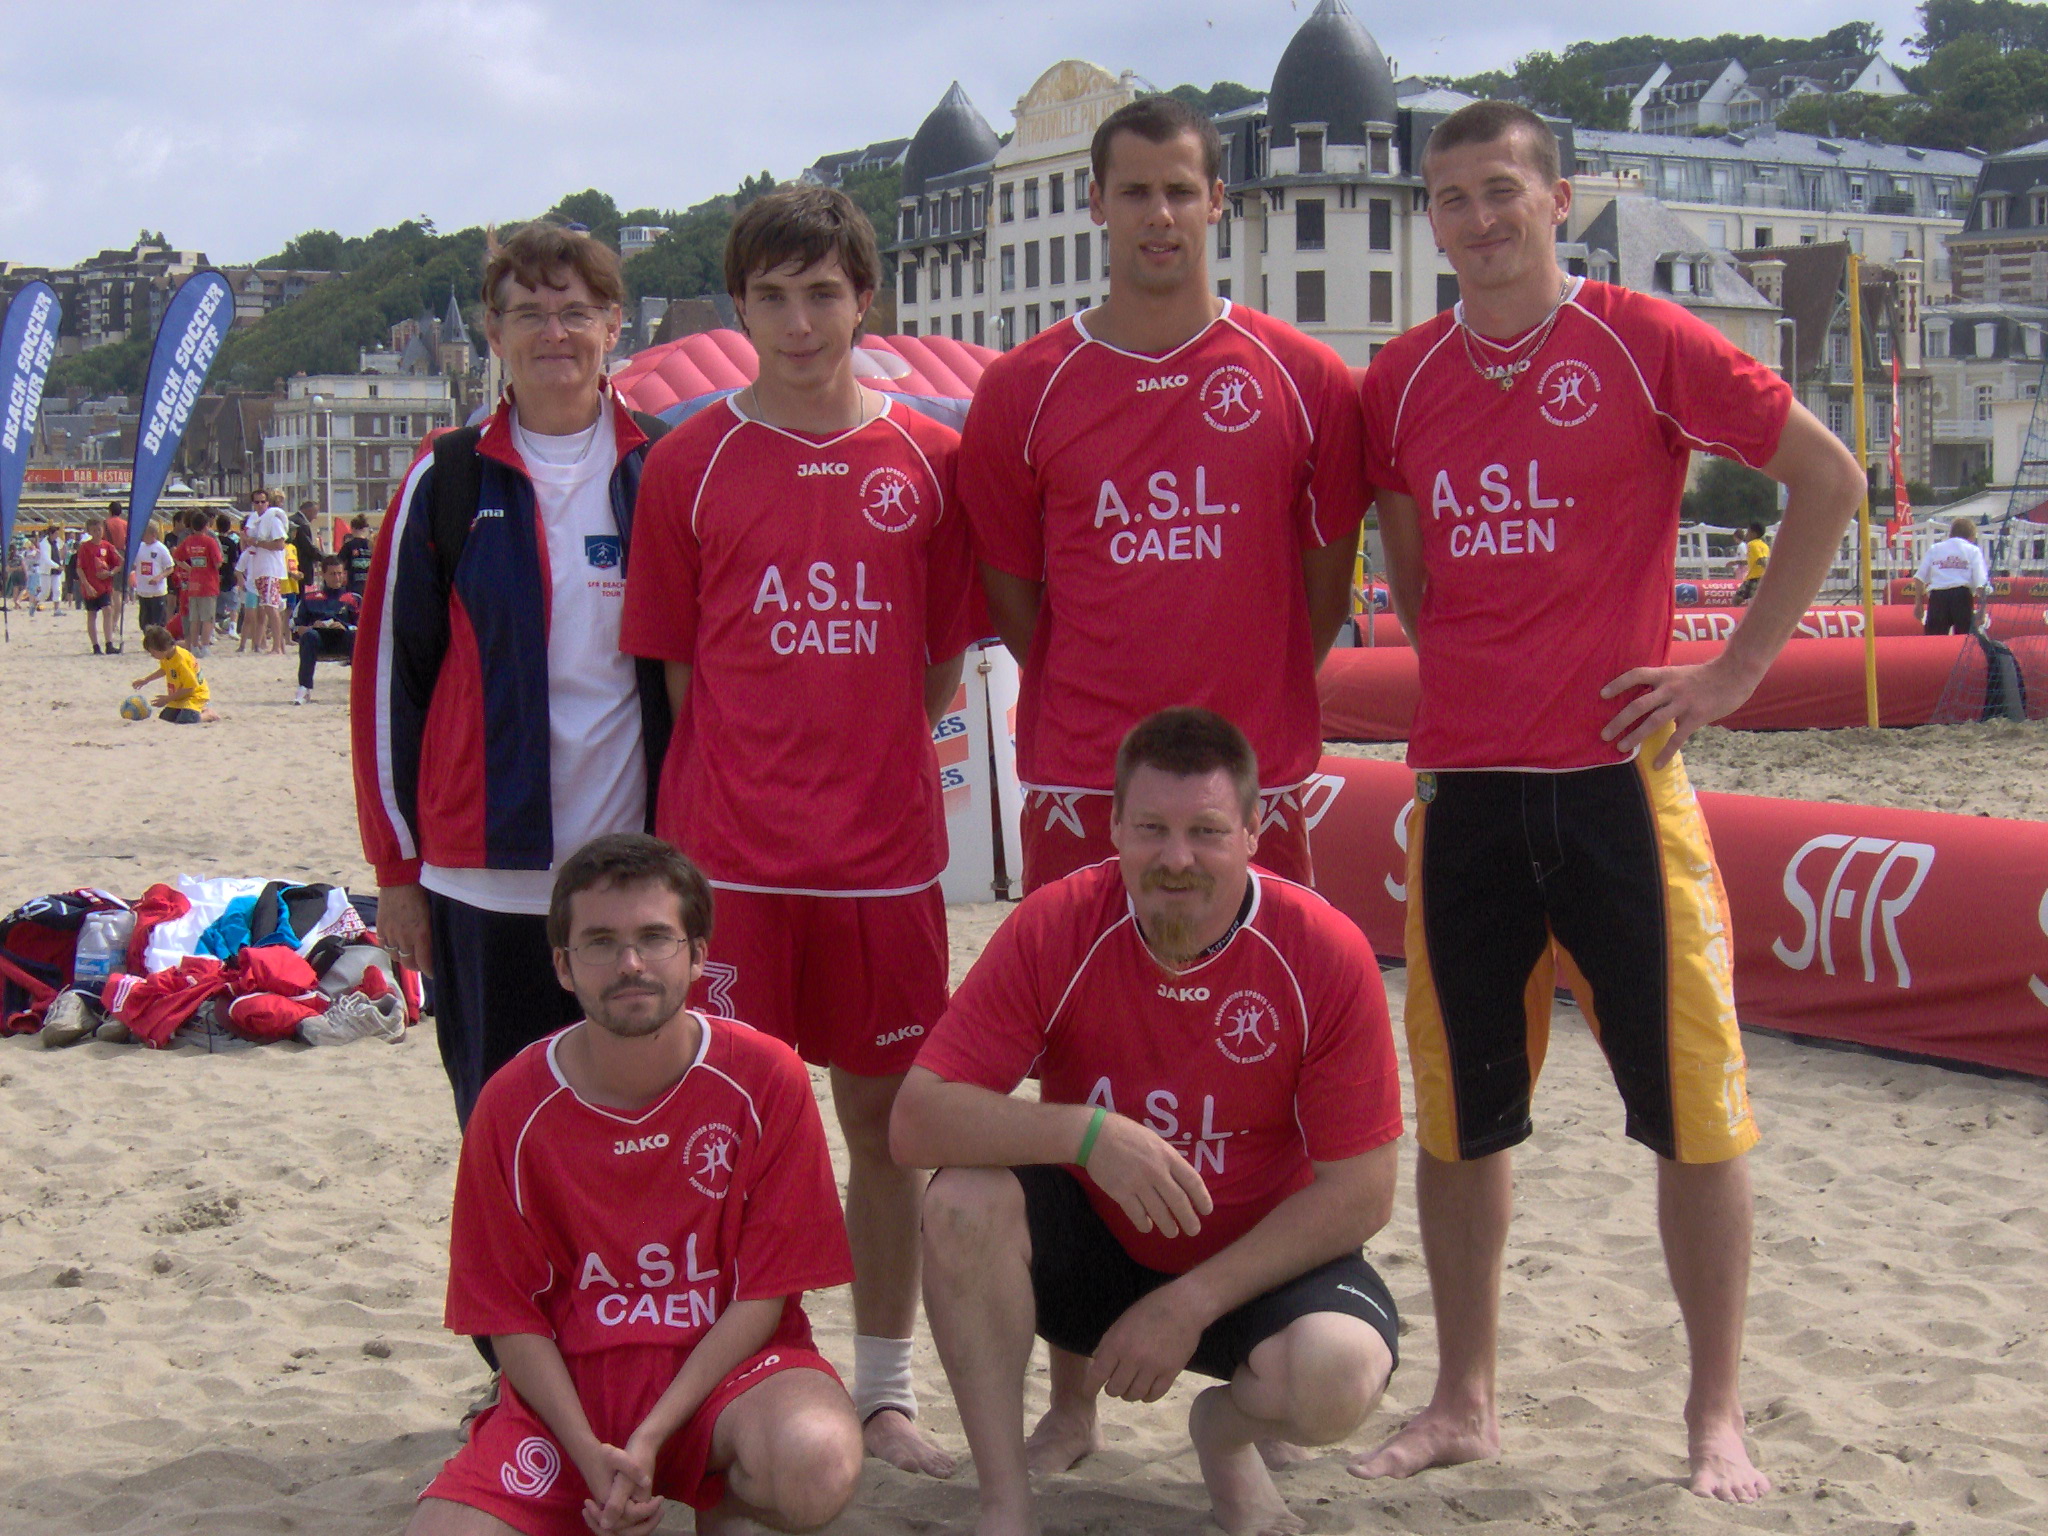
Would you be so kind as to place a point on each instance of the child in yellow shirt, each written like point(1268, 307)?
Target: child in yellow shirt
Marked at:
point(183, 701)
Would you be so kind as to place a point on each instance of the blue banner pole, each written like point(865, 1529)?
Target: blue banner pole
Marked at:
point(193, 328)
point(28, 340)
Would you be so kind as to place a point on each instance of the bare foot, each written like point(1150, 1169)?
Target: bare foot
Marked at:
point(890, 1435)
point(1721, 1468)
point(1433, 1438)
point(1283, 1453)
point(1241, 1489)
point(1064, 1439)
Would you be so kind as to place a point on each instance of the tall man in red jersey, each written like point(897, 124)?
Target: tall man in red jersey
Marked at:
point(807, 581)
point(1213, 1142)
point(643, 1199)
point(1165, 493)
point(1529, 450)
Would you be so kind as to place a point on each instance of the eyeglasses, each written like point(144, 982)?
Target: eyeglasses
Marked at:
point(652, 948)
point(531, 319)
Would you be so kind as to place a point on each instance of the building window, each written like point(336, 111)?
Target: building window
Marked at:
point(938, 274)
point(2040, 216)
point(1994, 213)
point(1884, 346)
point(909, 224)
point(980, 330)
point(1008, 337)
point(1902, 245)
point(1105, 255)
point(1006, 201)
point(1987, 339)
point(1809, 234)
point(1855, 191)
point(1717, 234)
point(1030, 263)
point(1308, 298)
point(910, 327)
point(1223, 236)
point(1379, 224)
point(1838, 418)
point(1081, 272)
point(1008, 268)
point(1985, 393)
point(1059, 310)
point(1265, 293)
point(1031, 325)
point(1855, 240)
point(909, 283)
point(1031, 197)
point(1056, 193)
point(980, 284)
point(1308, 224)
point(959, 263)
point(1446, 291)
point(1308, 146)
point(1379, 298)
point(1222, 287)
point(1056, 262)
point(1379, 154)
point(1081, 303)
point(1763, 236)
point(1937, 341)
point(956, 327)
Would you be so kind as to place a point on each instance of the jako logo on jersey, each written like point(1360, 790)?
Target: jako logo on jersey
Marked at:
point(644, 1144)
point(1184, 994)
point(707, 1159)
point(1838, 901)
point(1568, 393)
point(819, 468)
point(602, 550)
point(1247, 1028)
point(888, 499)
point(907, 1032)
point(1163, 381)
point(532, 1471)
point(1231, 398)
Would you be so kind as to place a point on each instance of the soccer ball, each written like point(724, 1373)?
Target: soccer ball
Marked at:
point(135, 707)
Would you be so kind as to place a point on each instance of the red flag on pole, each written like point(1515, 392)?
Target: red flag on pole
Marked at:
point(1900, 524)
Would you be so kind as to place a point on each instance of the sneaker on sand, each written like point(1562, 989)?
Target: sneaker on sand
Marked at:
point(114, 1032)
point(353, 1016)
point(68, 1021)
point(301, 694)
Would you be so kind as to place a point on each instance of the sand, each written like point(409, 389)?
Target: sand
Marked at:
point(220, 1276)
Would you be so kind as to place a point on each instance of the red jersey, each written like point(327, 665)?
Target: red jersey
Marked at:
point(1549, 512)
point(599, 1229)
point(96, 563)
point(1164, 502)
point(197, 559)
point(1270, 1054)
point(808, 583)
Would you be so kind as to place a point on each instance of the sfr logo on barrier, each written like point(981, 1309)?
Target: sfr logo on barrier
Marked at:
point(1838, 902)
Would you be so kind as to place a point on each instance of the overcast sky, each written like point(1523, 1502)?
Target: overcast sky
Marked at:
point(233, 126)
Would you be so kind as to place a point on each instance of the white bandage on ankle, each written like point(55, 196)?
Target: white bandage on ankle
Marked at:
point(881, 1377)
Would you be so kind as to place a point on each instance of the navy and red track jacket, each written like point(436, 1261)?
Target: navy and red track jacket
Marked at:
point(448, 704)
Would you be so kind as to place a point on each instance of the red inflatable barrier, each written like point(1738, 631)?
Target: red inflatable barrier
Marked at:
point(1908, 930)
point(1369, 694)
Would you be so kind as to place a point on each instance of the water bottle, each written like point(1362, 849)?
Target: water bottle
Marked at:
point(102, 947)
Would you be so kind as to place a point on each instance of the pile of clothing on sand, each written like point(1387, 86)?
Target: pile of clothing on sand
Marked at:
point(222, 963)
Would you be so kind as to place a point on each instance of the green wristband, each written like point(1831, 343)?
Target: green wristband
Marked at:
point(1088, 1141)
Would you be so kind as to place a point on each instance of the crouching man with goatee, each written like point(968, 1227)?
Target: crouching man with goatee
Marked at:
point(1213, 1144)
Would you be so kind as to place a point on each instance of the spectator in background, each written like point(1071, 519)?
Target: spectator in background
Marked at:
point(117, 535)
point(46, 584)
point(324, 623)
point(355, 553)
point(224, 608)
point(305, 544)
point(99, 568)
point(268, 534)
point(198, 560)
point(152, 577)
point(1756, 555)
point(1950, 576)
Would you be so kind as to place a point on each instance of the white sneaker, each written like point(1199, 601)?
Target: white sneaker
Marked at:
point(67, 1021)
point(353, 1016)
point(301, 695)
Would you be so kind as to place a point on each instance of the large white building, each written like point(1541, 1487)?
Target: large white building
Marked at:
point(345, 440)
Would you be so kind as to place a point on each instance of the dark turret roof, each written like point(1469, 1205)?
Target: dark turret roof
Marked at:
point(1332, 73)
point(954, 137)
point(452, 327)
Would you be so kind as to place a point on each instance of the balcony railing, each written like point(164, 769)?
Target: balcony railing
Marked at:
point(1961, 429)
point(1894, 203)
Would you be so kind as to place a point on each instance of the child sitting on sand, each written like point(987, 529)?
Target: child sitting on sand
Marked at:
point(183, 701)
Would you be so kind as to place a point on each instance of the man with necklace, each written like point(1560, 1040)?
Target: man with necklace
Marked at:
point(1529, 450)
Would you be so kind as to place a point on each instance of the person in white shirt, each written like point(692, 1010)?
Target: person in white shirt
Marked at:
point(152, 576)
point(1950, 576)
point(266, 536)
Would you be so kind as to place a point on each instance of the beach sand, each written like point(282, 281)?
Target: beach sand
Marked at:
point(221, 1276)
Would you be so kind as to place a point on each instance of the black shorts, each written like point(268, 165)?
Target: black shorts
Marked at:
point(99, 604)
point(1951, 611)
point(1083, 1281)
point(179, 716)
point(151, 610)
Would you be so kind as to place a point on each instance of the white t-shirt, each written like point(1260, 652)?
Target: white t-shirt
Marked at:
point(152, 569)
point(1953, 563)
point(269, 524)
point(597, 765)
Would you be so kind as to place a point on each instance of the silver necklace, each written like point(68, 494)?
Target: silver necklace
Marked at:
point(1511, 368)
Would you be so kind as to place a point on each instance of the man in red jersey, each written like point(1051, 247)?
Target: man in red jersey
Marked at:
point(807, 582)
point(1213, 1142)
point(99, 567)
point(1165, 493)
point(642, 1201)
point(1529, 450)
